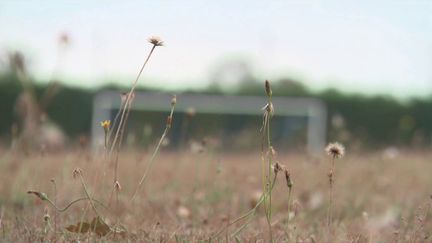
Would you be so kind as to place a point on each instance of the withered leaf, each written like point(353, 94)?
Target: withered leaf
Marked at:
point(80, 227)
point(97, 225)
point(121, 231)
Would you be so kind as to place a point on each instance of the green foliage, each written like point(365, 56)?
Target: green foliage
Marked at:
point(9, 90)
point(377, 120)
point(72, 110)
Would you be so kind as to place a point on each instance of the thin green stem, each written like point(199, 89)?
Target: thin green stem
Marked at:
point(71, 203)
point(288, 213)
point(269, 171)
point(55, 211)
point(91, 202)
point(152, 158)
point(129, 100)
point(249, 213)
point(332, 175)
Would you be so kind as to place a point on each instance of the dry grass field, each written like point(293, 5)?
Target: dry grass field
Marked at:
point(188, 197)
point(207, 194)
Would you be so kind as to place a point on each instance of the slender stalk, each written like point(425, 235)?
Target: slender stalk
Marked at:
point(249, 213)
point(123, 120)
point(129, 100)
point(155, 152)
point(88, 195)
point(331, 182)
point(70, 204)
point(288, 212)
point(55, 211)
point(269, 170)
point(116, 120)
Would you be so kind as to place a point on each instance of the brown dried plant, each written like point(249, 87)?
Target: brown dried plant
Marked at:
point(335, 151)
point(268, 178)
point(114, 133)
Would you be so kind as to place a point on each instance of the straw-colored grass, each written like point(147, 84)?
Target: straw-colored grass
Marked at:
point(376, 199)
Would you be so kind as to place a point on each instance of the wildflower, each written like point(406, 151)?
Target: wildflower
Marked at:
point(106, 125)
point(336, 150)
point(156, 41)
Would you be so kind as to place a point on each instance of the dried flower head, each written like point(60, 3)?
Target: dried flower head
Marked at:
point(46, 216)
point(336, 150)
point(269, 109)
point(117, 186)
point(268, 88)
point(277, 168)
point(106, 125)
point(288, 179)
point(156, 41)
point(76, 172)
point(173, 100)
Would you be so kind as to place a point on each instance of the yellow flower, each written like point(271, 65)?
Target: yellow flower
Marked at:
point(106, 124)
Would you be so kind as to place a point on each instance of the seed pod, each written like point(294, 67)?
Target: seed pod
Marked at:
point(288, 179)
point(276, 168)
point(268, 88)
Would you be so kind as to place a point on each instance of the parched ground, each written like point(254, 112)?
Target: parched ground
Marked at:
point(188, 197)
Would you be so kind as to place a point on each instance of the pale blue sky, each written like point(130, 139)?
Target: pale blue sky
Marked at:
point(358, 46)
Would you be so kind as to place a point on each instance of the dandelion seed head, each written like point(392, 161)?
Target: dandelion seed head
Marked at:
point(156, 41)
point(336, 150)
